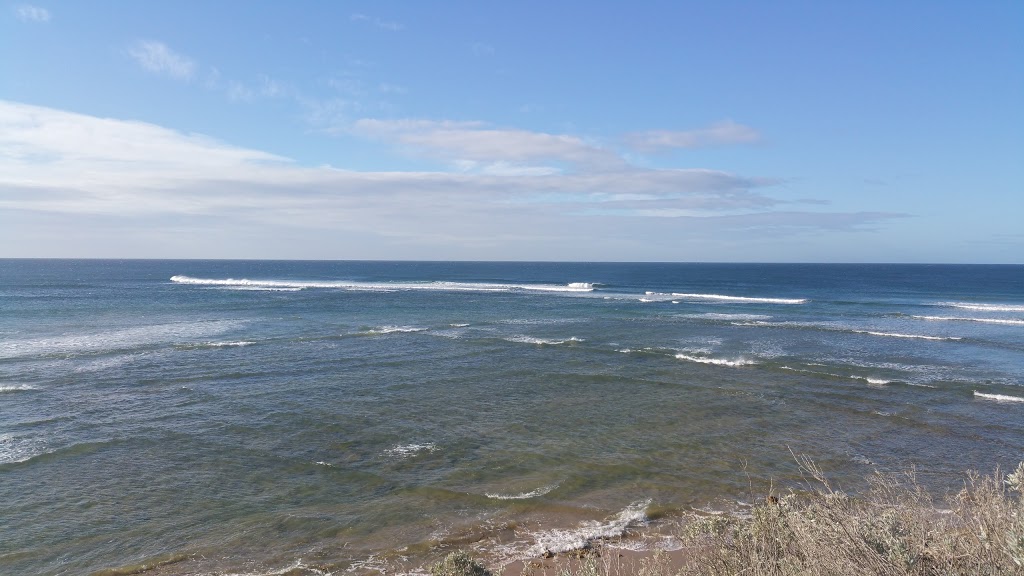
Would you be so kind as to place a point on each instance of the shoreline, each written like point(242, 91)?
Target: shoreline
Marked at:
point(892, 528)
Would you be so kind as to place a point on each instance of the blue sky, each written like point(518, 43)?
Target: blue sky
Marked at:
point(665, 131)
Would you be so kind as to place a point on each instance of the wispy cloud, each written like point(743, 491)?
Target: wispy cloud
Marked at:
point(382, 24)
point(30, 13)
point(158, 58)
point(474, 143)
point(167, 187)
point(726, 132)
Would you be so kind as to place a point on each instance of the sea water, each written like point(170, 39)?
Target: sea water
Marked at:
point(254, 417)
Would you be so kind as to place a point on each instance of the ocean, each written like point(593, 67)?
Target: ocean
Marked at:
point(266, 417)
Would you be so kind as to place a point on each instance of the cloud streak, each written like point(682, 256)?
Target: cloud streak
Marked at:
point(156, 57)
point(107, 175)
point(721, 133)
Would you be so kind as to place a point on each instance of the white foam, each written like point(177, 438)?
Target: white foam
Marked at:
point(257, 288)
point(998, 397)
point(742, 299)
point(15, 449)
point(716, 361)
point(123, 338)
point(393, 330)
point(524, 496)
point(898, 335)
point(406, 450)
point(719, 316)
point(458, 325)
point(540, 341)
point(437, 285)
point(284, 571)
point(965, 319)
point(868, 379)
point(984, 307)
point(322, 463)
point(17, 388)
point(236, 343)
point(581, 537)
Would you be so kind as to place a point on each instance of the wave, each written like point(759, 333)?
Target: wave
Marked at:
point(392, 330)
point(121, 339)
point(716, 361)
point(718, 316)
point(966, 319)
point(998, 397)
point(406, 450)
point(524, 496)
point(17, 388)
point(898, 335)
point(555, 541)
point(438, 285)
point(829, 328)
point(540, 341)
point(984, 307)
point(738, 299)
point(868, 379)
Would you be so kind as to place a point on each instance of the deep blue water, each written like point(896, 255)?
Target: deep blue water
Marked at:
point(250, 416)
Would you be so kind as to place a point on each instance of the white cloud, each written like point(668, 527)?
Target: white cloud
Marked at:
point(727, 132)
point(30, 13)
point(157, 57)
point(474, 142)
point(99, 181)
point(382, 24)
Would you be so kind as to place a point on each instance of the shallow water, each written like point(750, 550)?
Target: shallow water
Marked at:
point(255, 416)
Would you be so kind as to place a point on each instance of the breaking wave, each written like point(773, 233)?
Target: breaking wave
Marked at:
point(17, 388)
point(524, 496)
point(984, 307)
point(966, 319)
point(555, 541)
point(715, 361)
point(738, 299)
point(898, 335)
point(540, 341)
point(407, 450)
point(442, 286)
point(998, 397)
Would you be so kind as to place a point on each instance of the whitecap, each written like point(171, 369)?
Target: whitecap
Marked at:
point(14, 449)
point(966, 319)
point(540, 341)
point(435, 285)
point(406, 450)
point(17, 388)
point(716, 361)
point(556, 541)
point(121, 338)
point(899, 335)
point(984, 307)
point(720, 316)
point(998, 397)
point(392, 330)
point(523, 496)
point(741, 299)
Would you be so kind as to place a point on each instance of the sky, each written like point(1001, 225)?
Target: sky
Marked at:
point(482, 130)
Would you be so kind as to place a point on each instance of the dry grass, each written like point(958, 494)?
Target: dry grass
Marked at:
point(895, 528)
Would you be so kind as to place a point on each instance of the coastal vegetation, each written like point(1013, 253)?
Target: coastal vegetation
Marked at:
point(896, 527)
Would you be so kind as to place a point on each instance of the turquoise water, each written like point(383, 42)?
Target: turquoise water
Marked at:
point(249, 417)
